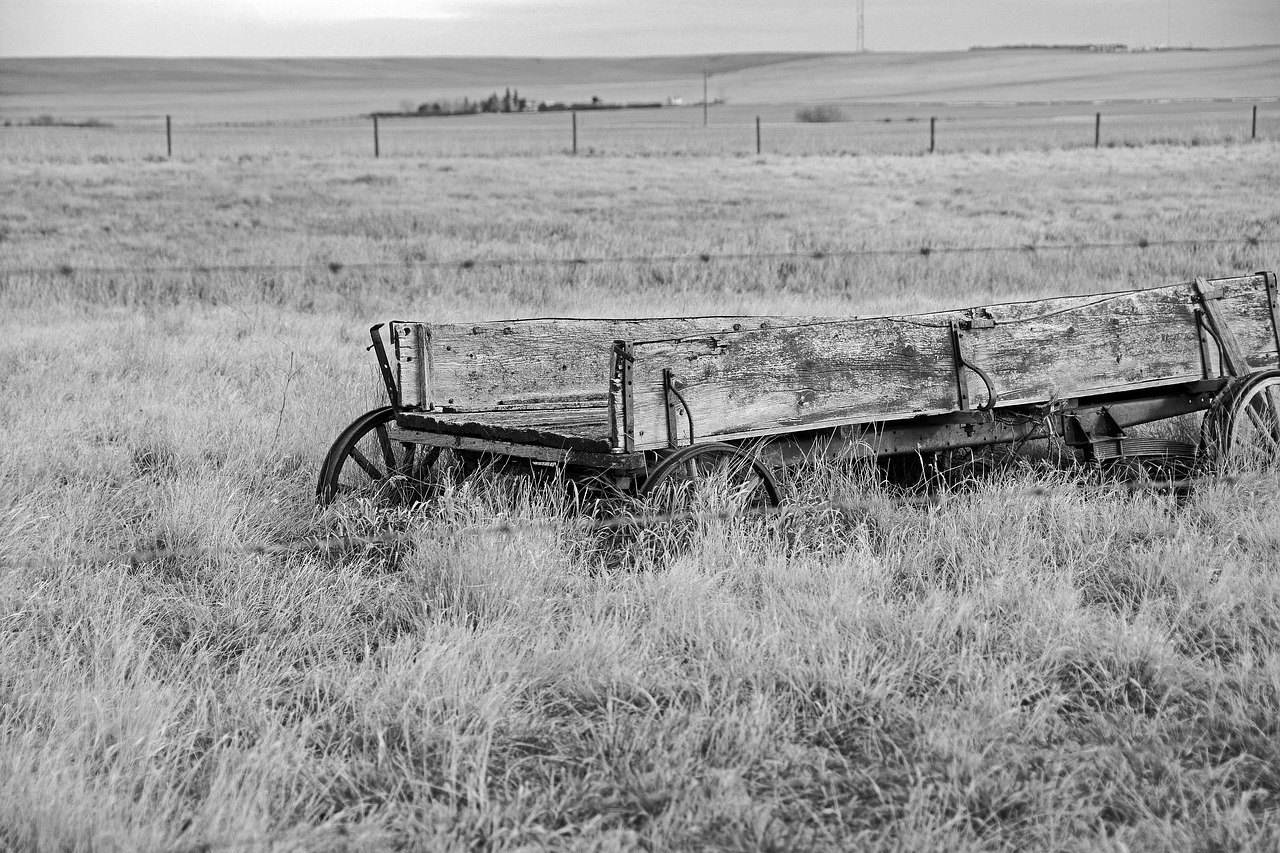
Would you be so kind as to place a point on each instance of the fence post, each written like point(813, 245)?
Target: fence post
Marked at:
point(933, 121)
point(705, 75)
point(168, 134)
point(757, 135)
point(575, 131)
point(1253, 134)
point(1097, 130)
point(376, 152)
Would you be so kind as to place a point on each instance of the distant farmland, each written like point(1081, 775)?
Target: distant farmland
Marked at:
point(125, 89)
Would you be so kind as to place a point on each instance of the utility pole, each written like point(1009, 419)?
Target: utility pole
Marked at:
point(862, 26)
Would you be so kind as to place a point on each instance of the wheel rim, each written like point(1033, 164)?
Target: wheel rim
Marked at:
point(365, 462)
point(713, 478)
point(1252, 440)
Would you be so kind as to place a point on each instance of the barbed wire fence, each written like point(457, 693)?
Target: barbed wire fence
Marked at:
point(336, 267)
point(863, 128)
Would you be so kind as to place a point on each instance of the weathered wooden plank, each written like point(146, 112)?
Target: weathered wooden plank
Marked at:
point(793, 378)
point(411, 370)
point(1122, 340)
point(880, 369)
point(1245, 305)
point(576, 429)
point(522, 364)
point(620, 462)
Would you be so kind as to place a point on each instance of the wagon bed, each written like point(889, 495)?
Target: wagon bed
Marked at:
point(622, 395)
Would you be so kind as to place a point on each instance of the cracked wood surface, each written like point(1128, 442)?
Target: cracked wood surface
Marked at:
point(529, 364)
point(880, 369)
point(585, 429)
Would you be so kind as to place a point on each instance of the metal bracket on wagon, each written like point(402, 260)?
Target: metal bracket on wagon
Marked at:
point(388, 378)
point(962, 383)
point(675, 404)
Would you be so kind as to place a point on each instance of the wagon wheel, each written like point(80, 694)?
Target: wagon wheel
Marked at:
point(1242, 432)
point(365, 462)
point(712, 477)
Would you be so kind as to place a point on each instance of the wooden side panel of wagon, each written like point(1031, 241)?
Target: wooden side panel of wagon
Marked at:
point(761, 382)
point(779, 380)
point(527, 365)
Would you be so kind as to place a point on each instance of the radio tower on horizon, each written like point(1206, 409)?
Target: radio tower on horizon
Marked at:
point(862, 26)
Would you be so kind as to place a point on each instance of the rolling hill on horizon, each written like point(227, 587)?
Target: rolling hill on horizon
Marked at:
point(121, 89)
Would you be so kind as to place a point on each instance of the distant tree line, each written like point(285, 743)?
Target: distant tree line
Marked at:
point(508, 102)
point(51, 121)
point(511, 102)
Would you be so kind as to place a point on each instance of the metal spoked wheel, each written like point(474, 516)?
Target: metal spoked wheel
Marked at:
point(712, 478)
point(365, 462)
point(680, 493)
point(1242, 434)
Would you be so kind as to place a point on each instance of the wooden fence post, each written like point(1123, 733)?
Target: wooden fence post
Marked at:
point(933, 121)
point(705, 75)
point(376, 153)
point(168, 135)
point(757, 135)
point(575, 131)
point(1097, 130)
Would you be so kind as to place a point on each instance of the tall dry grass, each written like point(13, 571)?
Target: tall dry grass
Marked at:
point(1029, 665)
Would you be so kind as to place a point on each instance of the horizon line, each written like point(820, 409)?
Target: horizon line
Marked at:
point(1137, 48)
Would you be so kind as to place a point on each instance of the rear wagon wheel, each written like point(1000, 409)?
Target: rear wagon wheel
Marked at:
point(712, 477)
point(364, 461)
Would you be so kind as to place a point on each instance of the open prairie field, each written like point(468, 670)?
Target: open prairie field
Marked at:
point(1027, 664)
point(119, 89)
point(985, 101)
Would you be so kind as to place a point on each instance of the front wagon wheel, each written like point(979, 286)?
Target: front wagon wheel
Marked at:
point(365, 462)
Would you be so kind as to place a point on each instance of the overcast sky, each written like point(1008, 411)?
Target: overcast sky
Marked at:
point(607, 27)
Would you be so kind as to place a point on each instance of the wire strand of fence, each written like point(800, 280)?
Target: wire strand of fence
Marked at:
point(632, 521)
point(336, 267)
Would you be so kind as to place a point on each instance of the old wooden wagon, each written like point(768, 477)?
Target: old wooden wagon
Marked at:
point(633, 404)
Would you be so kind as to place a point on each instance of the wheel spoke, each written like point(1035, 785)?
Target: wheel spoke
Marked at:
point(369, 468)
point(1246, 434)
point(384, 441)
point(710, 476)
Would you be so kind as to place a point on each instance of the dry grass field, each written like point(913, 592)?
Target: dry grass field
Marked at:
point(1030, 664)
